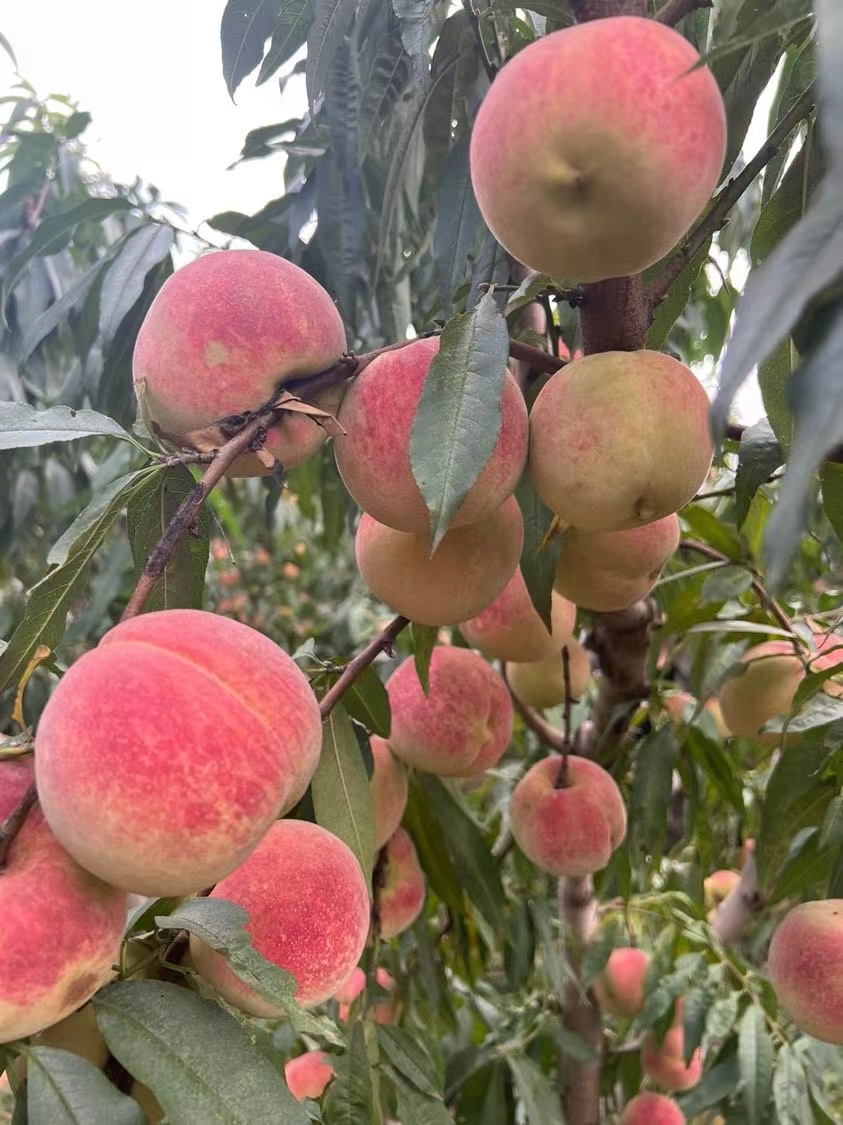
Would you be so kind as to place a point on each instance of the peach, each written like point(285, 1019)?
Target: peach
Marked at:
point(403, 890)
point(462, 726)
point(373, 456)
point(541, 683)
point(511, 629)
point(717, 886)
point(620, 439)
point(308, 1074)
point(467, 571)
point(571, 830)
point(165, 753)
point(805, 965)
point(388, 786)
point(62, 927)
point(596, 148)
point(665, 1062)
point(385, 1011)
point(78, 1033)
point(620, 987)
point(652, 1109)
point(223, 333)
point(308, 906)
point(765, 689)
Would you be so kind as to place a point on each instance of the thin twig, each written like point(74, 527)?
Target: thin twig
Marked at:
point(543, 361)
point(767, 600)
point(383, 642)
point(14, 822)
point(675, 10)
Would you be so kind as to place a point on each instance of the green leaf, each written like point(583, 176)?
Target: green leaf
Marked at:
point(22, 426)
point(673, 305)
point(537, 1095)
point(416, 1108)
point(433, 854)
point(774, 379)
point(831, 833)
point(790, 1090)
point(64, 1089)
point(124, 281)
point(651, 789)
point(755, 1057)
point(458, 418)
point(246, 26)
point(342, 800)
point(331, 21)
point(367, 701)
point(831, 478)
point(381, 89)
point(759, 455)
point(44, 324)
point(291, 27)
point(820, 711)
point(149, 512)
point(351, 1095)
point(424, 641)
point(415, 33)
point(194, 1057)
point(808, 865)
point(7, 47)
point(538, 555)
point(783, 815)
point(533, 285)
point(409, 1057)
point(717, 1083)
point(829, 48)
point(458, 225)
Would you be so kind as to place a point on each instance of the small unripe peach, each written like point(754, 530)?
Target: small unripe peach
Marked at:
point(619, 439)
point(462, 726)
point(308, 906)
point(308, 1074)
point(572, 830)
point(620, 987)
point(466, 573)
point(373, 456)
point(541, 683)
point(806, 968)
point(511, 629)
point(652, 1109)
point(223, 333)
point(665, 1062)
point(765, 689)
point(388, 786)
point(402, 893)
point(717, 886)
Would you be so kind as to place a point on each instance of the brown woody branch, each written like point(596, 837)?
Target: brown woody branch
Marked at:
point(383, 642)
point(739, 908)
point(767, 600)
point(580, 1079)
point(674, 11)
point(14, 822)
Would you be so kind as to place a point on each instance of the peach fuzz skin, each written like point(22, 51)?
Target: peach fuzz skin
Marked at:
point(616, 147)
point(61, 926)
point(403, 891)
point(620, 987)
point(462, 726)
point(573, 830)
point(541, 683)
point(308, 906)
point(665, 1062)
point(373, 456)
point(384, 1011)
point(465, 574)
point(511, 629)
point(180, 726)
point(619, 439)
point(223, 333)
point(805, 965)
point(308, 1074)
point(652, 1109)
point(765, 689)
point(388, 787)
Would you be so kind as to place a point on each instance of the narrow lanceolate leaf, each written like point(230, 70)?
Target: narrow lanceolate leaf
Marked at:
point(367, 701)
point(331, 21)
point(415, 33)
point(433, 854)
point(64, 1089)
point(150, 510)
point(790, 1090)
point(291, 27)
point(829, 47)
point(458, 225)
point(45, 617)
point(458, 418)
point(759, 455)
point(755, 1055)
point(407, 1053)
point(246, 26)
point(351, 1096)
point(341, 797)
point(424, 642)
point(652, 785)
point(194, 1057)
point(541, 549)
point(123, 284)
point(21, 425)
point(44, 324)
point(535, 1091)
point(416, 1108)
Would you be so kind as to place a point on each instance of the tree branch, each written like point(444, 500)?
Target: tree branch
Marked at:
point(383, 642)
point(14, 822)
point(580, 1079)
point(674, 11)
point(740, 906)
point(603, 9)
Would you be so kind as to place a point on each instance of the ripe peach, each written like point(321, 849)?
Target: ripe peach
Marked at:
point(665, 1062)
point(806, 968)
point(308, 1074)
point(652, 1109)
point(541, 683)
point(78, 1033)
point(461, 726)
point(61, 926)
point(620, 987)
point(717, 886)
point(385, 1011)
point(373, 456)
point(403, 890)
point(615, 147)
point(308, 906)
point(388, 786)
point(764, 690)
point(571, 830)
point(511, 629)
point(165, 753)
point(468, 570)
point(620, 439)
point(223, 333)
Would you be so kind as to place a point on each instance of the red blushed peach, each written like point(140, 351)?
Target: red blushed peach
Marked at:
point(717, 886)
point(596, 148)
point(541, 683)
point(467, 571)
point(511, 629)
point(619, 439)
point(620, 987)
point(385, 1011)
point(223, 333)
point(388, 786)
point(806, 968)
point(308, 1074)
point(308, 906)
point(665, 1062)
point(652, 1109)
point(402, 893)
point(765, 689)
point(572, 830)
point(463, 724)
point(373, 456)
point(61, 926)
point(165, 753)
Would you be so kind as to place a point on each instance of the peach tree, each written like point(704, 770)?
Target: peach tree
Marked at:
point(420, 702)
